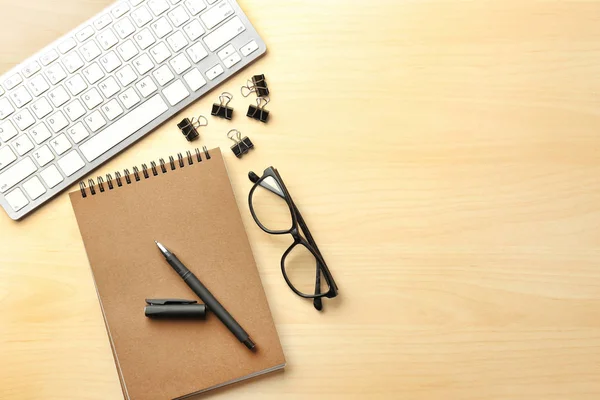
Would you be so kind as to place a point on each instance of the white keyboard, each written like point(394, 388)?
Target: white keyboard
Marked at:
point(98, 89)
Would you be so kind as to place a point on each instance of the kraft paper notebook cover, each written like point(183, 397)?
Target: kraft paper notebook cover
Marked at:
point(190, 207)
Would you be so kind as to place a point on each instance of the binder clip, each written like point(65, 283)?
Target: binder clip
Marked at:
point(257, 85)
point(222, 109)
point(258, 111)
point(241, 146)
point(189, 127)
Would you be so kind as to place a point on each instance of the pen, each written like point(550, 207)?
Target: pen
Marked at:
point(206, 296)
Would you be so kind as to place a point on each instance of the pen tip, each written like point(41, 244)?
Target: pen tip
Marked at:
point(162, 248)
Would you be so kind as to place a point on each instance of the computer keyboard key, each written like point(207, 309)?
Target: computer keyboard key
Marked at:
point(34, 188)
point(163, 75)
point(180, 64)
point(7, 157)
point(71, 163)
point(24, 119)
point(72, 62)
point(143, 64)
point(38, 85)
point(102, 22)
point(93, 73)
point(23, 144)
point(58, 96)
point(92, 98)
point(95, 121)
point(144, 38)
point(127, 50)
point(43, 155)
point(57, 122)
point(161, 27)
point(124, 28)
point(75, 110)
point(226, 52)
point(224, 33)
point(49, 57)
point(60, 144)
point(20, 96)
point(6, 108)
point(40, 133)
point(146, 86)
point(123, 128)
point(13, 81)
point(31, 69)
point(214, 72)
point(212, 1)
point(177, 41)
point(158, 6)
point(109, 87)
point(78, 132)
point(136, 2)
point(160, 52)
point(195, 6)
point(232, 60)
point(216, 15)
point(176, 92)
point(110, 62)
point(120, 10)
point(178, 16)
point(141, 16)
point(67, 45)
point(16, 173)
point(112, 110)
point(55, 73)
point(193, 30)
point(107, 39)
point(129, 98)
point(41, 108)
point(51, 176)
point(7, 131)
point(126, 75)
point(85, 33)
point(197, 53)
point(16, 199)
point(76, 85)
point(194, 79)
point(90, 50)
point(1, 91)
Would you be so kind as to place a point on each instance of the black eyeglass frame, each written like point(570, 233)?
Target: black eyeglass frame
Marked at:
point(298, 224)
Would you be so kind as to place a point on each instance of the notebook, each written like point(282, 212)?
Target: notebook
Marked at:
point(187, 204)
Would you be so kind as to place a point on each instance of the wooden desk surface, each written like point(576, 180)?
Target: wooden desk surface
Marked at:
point(447, 156)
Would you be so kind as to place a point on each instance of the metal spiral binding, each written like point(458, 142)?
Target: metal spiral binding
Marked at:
point(126, 173)
point(109, 180)
point(100, 182)
point(136, 173)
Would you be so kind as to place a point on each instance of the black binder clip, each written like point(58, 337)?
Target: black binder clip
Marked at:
point(222, 109)
point(258, 111)
point(189, 127)
point(241, 146)
point(257, 85)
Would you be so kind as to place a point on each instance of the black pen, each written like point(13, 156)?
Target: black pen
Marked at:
point(206, 296)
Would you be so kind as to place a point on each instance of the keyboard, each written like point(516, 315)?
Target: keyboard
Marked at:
point(107, 83)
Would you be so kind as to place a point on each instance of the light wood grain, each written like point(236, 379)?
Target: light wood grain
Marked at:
point(446, 155)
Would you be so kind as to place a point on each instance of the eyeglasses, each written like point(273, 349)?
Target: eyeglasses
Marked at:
point(302, 264)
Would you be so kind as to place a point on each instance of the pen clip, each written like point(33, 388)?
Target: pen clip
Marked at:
point(164, 302)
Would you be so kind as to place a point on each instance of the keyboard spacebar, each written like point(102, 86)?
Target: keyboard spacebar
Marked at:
point(123, 128)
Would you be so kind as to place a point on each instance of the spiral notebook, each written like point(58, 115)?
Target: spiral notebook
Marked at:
point(188, 204)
